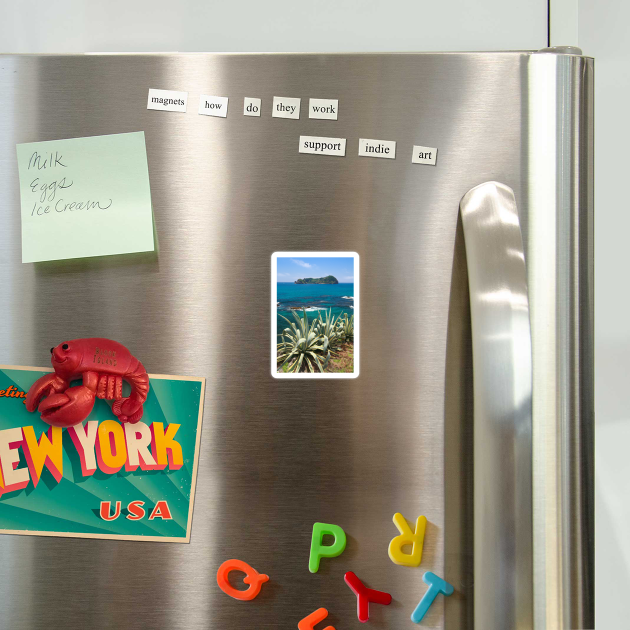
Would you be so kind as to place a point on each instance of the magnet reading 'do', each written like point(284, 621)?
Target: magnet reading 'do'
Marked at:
point(102, 364)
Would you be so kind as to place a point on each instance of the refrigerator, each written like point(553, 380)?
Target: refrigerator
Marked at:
point(471, 402)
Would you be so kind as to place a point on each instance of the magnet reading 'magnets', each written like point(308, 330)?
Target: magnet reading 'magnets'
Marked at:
point(103, 364)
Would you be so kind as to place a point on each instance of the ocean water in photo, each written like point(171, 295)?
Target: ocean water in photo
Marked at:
point(338, 298)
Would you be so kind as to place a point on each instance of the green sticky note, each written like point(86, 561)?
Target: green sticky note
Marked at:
point(85, 197)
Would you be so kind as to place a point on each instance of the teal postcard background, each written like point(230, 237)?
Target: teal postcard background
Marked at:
point(72, 505)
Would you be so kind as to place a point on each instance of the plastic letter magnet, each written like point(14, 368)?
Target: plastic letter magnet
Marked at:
point(365, 596)
point(436, 586)
point(319, 551)
point(407, 537)
point(308, 623)
point(252, 577)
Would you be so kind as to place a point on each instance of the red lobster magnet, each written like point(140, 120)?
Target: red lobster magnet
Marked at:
point(103, 364)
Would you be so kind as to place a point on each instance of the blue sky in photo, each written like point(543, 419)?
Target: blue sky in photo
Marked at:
point(291, 269)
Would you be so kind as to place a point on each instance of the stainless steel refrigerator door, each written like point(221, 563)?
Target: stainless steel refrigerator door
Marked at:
point(277, 456)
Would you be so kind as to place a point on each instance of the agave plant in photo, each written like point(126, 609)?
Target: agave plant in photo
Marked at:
point(346, 327)
point(302, 348)
point(329, 329)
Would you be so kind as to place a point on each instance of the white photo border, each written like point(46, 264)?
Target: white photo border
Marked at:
point(274, 314)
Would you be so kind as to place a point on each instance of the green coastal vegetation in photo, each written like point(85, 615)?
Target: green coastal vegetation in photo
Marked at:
point(315, 315)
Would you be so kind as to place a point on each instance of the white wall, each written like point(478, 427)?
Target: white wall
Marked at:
point(260, 25)
point(604, 29)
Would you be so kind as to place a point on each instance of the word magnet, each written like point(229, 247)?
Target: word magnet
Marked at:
point(251, 106)
point(407, 537)
point(424, 155)
point(322, 146)
point(377, 148)
point(252, 577)
point(365, 595)
point(323, 108)
point(285, 107)
point(319, 550)
point(167, 100)
point(213, 106)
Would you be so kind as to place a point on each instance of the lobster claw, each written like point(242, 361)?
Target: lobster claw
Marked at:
point(43, 386)
point(68, 408)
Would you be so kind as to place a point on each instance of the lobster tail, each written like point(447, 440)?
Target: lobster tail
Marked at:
point(139, 381)
point(130, 409)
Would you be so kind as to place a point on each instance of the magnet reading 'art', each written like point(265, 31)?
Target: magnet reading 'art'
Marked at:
point(102, 364)
point(319, 551)
point(252, 577)
point(407, 537)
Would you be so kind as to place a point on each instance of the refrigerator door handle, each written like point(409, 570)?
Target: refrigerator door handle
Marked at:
point(502, 374)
